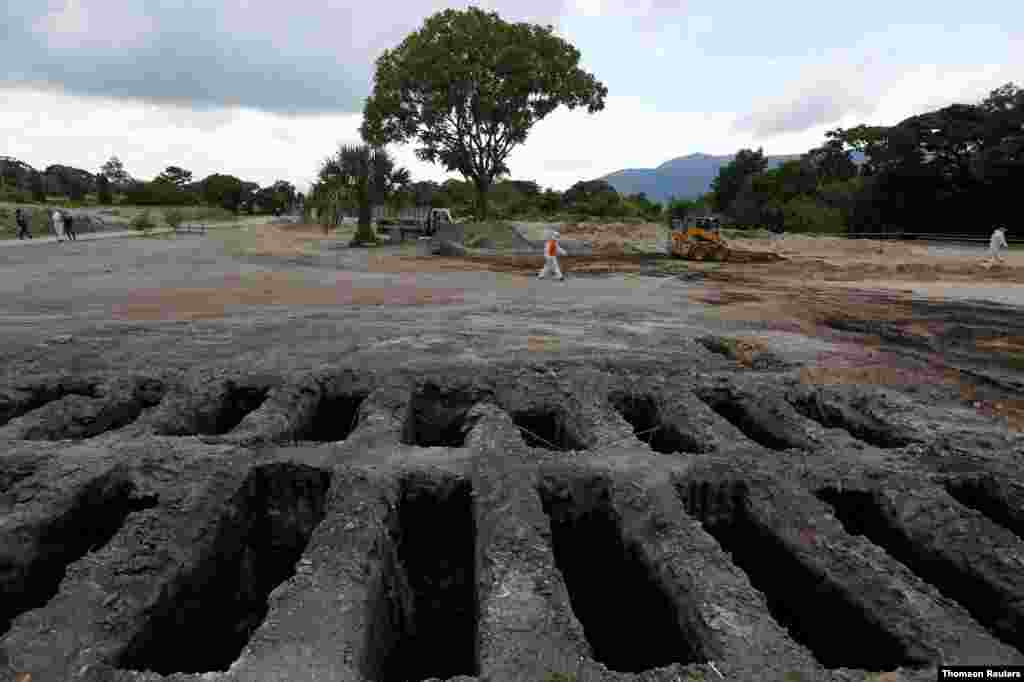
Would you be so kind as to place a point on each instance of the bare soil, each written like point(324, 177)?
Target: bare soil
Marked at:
point(263, 455)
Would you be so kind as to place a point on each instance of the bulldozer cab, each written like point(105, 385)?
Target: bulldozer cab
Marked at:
point(699, 238)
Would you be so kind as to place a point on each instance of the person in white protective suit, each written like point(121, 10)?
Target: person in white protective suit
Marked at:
point(58, 224)
point(551, 253)
point(997, 243)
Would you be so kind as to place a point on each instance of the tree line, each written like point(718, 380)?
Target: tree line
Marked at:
point(952, 170)
point(112, 183)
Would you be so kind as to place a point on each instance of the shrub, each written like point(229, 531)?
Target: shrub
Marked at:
point(15, 195)
point(804, 214)
point(143, 221)
point(211, 214)
point(174, 217)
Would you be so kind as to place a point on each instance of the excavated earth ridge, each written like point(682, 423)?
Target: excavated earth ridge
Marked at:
point(543, 522)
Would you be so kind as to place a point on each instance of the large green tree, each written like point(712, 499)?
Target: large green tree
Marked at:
point(174, 175)
point(278, 197)
point(114, 171)
point(468, 87)
point(104, 195)
point(735, 175)
point(223, 190)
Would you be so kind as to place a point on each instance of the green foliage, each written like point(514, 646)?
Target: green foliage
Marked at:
point(805, 214)
point(225, 191)
point(15, 195)
point(277, 198)
point(174, 217)
point(143, 221)
point(357, 176)
point(173, 175)
point(114, 171)
point(732, 177)
point(156, 193)
point(593, 197)
point(104, 196)
point(468, 87)
point(37, 188)
point(209, 214)
point(831, 162)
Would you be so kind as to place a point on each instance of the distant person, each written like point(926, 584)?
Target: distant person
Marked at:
point(996, 243)
point(552, 251)
point(22, 219)
point(69, 226)
point(58, 225)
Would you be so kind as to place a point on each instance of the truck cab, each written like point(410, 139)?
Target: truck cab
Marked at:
point(436, 218)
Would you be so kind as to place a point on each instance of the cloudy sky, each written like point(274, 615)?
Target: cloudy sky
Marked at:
point(265, 89)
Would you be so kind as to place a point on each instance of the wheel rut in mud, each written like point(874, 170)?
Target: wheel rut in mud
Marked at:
point(507, 522)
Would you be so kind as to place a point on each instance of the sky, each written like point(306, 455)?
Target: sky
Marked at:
point(265, 90)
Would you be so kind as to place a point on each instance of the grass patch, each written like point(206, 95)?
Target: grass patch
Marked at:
point(498, 233)
point(673, 266)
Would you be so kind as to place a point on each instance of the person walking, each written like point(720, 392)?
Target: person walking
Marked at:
point(58, 225)
point(995, 244)
point(552, 251)
point(69, 226)
point(22, 219)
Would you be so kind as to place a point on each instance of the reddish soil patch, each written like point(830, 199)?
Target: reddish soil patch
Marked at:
point(272, 289)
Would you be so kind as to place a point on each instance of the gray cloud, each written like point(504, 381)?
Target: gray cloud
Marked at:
point(299, 57)
point(808, 111)
point(814, 99)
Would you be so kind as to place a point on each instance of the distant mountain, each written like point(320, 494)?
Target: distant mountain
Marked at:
point(685, 177)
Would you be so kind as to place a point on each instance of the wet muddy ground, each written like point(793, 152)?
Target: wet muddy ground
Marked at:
point(332, 468)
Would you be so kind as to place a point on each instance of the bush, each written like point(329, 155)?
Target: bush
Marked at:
point(15, 195)
point(143, 221)
point(211, 214)
point(804, 214)
point(174, 217)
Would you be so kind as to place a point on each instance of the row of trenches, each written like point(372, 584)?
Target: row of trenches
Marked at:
point(801, 599)
point(434, 417)
point(424, 621)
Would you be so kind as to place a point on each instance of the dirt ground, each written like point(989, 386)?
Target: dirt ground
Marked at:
point(264, 429)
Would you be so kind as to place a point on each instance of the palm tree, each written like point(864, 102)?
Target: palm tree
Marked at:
point(362, 175)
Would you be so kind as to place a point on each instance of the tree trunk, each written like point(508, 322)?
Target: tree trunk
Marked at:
point(364, 233)
point(483, 186)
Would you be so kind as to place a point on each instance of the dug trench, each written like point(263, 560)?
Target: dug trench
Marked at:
point(209, 410)
point(992, 498)
point(30, 396)
point(30, 577)
point(610, 584)
point(644, 415)
point(419, 615)
point(77, 416)
point(334, 419)
point(798, 596)
point(205, 619)
point(424, 622)
point(983, 595)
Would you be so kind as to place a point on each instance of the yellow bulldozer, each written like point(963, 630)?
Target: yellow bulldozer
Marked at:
point(698, 239)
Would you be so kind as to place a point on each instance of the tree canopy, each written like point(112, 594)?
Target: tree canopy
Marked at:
point(953, 169)
point(357, 175)
point(731, 177)
point(468, 87)
point(114, 171)
point(179, 177)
